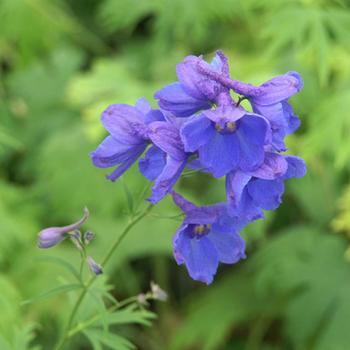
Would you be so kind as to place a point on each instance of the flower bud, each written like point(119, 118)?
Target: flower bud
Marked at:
point(88, 237)
point(158, 293)
point(51, 236)
point(95, 268)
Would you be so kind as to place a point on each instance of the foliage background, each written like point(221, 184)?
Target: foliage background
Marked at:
point(63, 61)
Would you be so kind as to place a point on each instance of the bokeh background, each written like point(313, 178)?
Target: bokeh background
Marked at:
point(63, 61)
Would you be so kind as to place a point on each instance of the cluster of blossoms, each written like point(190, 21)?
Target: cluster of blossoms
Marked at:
point(200, 126)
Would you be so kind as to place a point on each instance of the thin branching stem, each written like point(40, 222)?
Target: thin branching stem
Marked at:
point(88, 284)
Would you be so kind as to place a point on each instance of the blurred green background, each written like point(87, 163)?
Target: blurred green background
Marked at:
point(63, 61)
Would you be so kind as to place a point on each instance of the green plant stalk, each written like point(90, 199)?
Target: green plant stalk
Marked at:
point(80, 299)
point(81, 326)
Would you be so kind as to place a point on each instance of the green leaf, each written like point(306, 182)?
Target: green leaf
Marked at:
point(53, 292)
point(111, 340)
point(130, 315)
point(94, 340)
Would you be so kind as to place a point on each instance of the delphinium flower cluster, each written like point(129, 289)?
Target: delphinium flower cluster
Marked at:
point(200, 126)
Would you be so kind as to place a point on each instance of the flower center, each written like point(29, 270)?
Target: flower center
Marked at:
point(218, 127)
point(201, 229)
point(229, 127)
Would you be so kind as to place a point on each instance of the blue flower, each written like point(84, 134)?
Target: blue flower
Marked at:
point(165, 160)
point(51, 236)
point(128, 139)
point(207, 236)
point(226, 139)
point(194, 91)
point(271, 101)
point(249, 193)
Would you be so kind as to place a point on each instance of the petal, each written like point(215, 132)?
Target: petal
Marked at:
point(125, 123)
point(247, 209)
point(153, 163)
point(167, 137)
point(202, 215)
point(220, 154)
point(296, 167)
point(235, 183)
point(292, 120)
point(154, 115)
point(123, 167)
point(266, 194)
point(199, 255)
point(274, 166)
point(196, 132)
point(143, 105)
point(251, 133)
point(230, 247)
point(112, 152)
point(167, 179)
point(278, 89)
point(275, 114)
point(220, 63)
point(51, 236)
point(181, 231)
point(182, 203)
point(173, 98)
point(224, 114)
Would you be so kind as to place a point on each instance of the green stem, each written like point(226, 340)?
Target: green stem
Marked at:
point(95, 318)
point(80, 299)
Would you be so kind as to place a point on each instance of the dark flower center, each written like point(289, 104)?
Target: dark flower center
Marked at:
point(200, 230)
point(230, 127)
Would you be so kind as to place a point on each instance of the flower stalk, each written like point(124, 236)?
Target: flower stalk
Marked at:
point(88, 284)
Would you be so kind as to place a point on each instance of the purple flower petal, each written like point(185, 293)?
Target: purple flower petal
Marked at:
point(296, 167)
point(236, 181)
point(173, 98)
point(134, 154)
point(220, 154)
point(143, 105)
point(196, 132)
point(154, 115)
point(266, 194)
point(182, 203)
point(278, 89)
point(230, 247)
point(167, 179)
point(274, 166)
point(247, 208)
point(51, 236)
point(125, 123)
point(112, 152)
point(224, 114)
point(199, 255)
point(152, 165)
point(251, 133)
point(166, 136)
point(292, 120)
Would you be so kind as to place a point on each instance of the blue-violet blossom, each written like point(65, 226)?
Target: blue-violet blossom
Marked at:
point(207, 236)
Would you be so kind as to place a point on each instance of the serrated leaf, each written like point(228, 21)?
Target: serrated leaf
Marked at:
point(94, 340)
point(111, 340)
point(130, 315)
